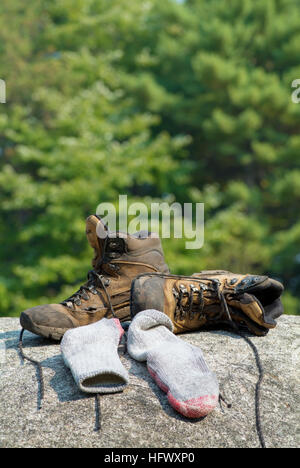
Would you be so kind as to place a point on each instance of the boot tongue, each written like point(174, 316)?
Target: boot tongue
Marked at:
point(252, 309)
point(96, 232)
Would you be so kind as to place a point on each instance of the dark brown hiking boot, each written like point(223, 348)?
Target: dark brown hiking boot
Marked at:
point(118, 259)
point(210, 298)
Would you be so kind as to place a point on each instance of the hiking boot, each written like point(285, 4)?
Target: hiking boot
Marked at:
point(210, 298)
point(118, 259)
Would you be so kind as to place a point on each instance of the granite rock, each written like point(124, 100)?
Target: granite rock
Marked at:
point(141, 415)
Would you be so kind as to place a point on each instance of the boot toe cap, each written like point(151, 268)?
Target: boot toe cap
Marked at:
point(48, 320)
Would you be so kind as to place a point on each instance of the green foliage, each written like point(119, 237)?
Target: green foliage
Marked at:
point(187, 101)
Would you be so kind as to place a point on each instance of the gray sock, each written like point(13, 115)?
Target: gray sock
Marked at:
point(91, 353)
point(177, 367)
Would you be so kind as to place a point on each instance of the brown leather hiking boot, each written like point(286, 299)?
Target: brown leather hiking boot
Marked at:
point(210, 298)
point(118, 259)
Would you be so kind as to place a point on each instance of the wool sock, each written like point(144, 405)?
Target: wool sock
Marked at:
point(91, 353)
point(177, 367)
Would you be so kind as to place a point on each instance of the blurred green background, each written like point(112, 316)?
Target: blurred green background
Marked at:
point(184, 101)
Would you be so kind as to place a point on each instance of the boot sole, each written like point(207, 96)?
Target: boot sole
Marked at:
point(41, 330)
point(56, 333)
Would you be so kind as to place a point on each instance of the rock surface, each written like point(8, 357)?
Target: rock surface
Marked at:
point(141, 415)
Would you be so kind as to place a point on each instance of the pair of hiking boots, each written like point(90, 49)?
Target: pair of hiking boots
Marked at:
point(130, 275)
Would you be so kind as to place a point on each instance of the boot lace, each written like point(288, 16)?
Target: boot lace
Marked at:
point(113, 247)
point(95, 280)
point(190, 304)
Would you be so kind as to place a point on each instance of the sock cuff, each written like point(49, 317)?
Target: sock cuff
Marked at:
point(151, 318)
point(103, 380)
point(148, 329)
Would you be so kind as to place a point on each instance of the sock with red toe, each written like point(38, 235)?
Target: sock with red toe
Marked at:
point(177, 367)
